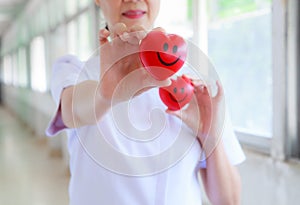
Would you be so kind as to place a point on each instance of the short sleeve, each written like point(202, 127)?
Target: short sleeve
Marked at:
point(65, 72)
point(231, 144)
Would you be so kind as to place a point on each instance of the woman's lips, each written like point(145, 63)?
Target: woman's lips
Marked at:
point(134, 14)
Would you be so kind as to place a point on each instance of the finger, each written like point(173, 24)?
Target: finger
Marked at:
point(118, 29)
point(220, 90)
point(158, 83)
point(130, 38)
point(133, 39)
point(138, 31)
point(134, 36)
point(159, 29)
point(201, 89)
point(147, 80)
point(103, 35)
point(198, 82)
point(125, 36)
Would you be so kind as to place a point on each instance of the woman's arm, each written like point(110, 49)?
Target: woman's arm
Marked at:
point(82, 104)
point(221, 180)
point(122, 77)
point(205, 116)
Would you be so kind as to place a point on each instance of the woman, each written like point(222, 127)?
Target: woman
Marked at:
point(94, 99)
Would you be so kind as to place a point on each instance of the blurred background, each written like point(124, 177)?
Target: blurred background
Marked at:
point(253, 44)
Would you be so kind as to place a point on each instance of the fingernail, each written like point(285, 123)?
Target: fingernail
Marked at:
point(201, 88)
point(141, 34)
point(104, 32)
point(168, 82)
point(124, 36)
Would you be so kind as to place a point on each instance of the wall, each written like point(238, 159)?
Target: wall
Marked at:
point(35, 110)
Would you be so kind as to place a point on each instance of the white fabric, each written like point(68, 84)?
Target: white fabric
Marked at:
point(114, 161)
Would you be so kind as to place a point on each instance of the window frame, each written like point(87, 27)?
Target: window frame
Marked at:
point(293, 93)
point(285, 107)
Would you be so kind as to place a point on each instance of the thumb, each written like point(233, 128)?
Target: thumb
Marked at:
point(163, 83)
point(103, 35)
point(176, 113)
point(150, 81)
point(159, 29)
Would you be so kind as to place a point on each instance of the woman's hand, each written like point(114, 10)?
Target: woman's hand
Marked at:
point(205, 115)
point(122, 74)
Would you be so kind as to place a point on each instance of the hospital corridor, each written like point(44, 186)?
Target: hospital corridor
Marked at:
point(250, 47)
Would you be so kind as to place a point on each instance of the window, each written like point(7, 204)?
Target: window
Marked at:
point(84, 36)
point(38, 64)
point(237, 36)
point(70, 7)
point(15, 71)
point(84, 3)
point(7, 69)
point(22, 67)
point(72, 36)
point(240, 46)
point(170, 20)
point(57, 46)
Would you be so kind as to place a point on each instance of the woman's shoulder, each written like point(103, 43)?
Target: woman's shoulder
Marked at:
point(73, 64)
point(69, 59)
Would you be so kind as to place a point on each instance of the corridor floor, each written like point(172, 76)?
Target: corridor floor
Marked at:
point(28, 174)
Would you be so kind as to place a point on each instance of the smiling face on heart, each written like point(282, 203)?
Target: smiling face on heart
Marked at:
point(178, 94)
point(162, 54)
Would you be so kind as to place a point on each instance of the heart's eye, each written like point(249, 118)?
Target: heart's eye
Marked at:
point(175, 90)
point(182, 90)
point(166, 47)
point(175, 49)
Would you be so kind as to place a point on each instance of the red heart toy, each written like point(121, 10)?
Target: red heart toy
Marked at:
point(178, 94)
point(162, 54)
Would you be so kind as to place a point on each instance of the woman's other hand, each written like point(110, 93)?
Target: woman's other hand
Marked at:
point(122, 73)
point(205, 115)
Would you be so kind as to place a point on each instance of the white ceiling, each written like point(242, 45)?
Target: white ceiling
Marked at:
point(9, 10)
